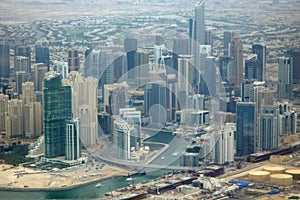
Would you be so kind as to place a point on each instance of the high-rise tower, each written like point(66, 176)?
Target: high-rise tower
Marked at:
point(57, 109)
point(199, 32)
point(295, 54)
point(24, 51)
point(73, 60)
point(73, 150)
point(42, 55)
point(236, 52)
point(130, 46)
point(285, 78)
point(245, 128)
point(4, 60)
point(260, 51)
point(3, 110)
point(226, 42)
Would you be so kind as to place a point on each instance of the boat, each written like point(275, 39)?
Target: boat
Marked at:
point(129, 179)
point(175, 154)
point(162, 158)
point(98, 185)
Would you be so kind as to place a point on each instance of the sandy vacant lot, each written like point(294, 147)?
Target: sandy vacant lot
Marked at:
point(20, 177)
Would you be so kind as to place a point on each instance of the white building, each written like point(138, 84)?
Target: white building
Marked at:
point(121, 138)
point(224, 149)
point(73, 151)
point(133, 117)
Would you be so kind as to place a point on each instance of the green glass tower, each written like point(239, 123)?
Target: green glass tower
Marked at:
point(57, 110)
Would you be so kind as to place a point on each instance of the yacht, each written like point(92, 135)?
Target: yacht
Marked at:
point(98, 185)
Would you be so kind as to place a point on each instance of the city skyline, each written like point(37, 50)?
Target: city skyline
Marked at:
point(180, 88)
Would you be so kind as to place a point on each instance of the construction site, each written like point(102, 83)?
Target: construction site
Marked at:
point(276, 178)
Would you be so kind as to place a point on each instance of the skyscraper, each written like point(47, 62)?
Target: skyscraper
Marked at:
point(287, 119)
point(245, 128)
point(199, 39)
point(22, 63)
point(209, 38)
point(121, 138)
point(208, 83)
point(226, 42)
point(84, 106)
point(141, 70)
point(224, 148)
point(130, 46)
point(3, 110)
point(260, 51)
point(133, 117)
point(24, 51)
point(4, 60)
point(199, 26)
point(155, 102)
point(181, 46)
point(40, 70)
point(32, 111)
point(252, 68)
point(73, 60)
point(73, 150)
point(225, 67)
point(285, 78)
point(185, 78)
point(236, 52)
point(14, 118)
point(57, 109)
point(21, 77)
point(115, 97)
point(42, 55)
point(295, 54)
point(28, 93)
point(268, 137)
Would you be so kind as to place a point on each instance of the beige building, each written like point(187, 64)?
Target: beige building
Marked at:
point(32, 111)
point(14, 118)
point(3, 110)
point(84, 106)
point(28, 93)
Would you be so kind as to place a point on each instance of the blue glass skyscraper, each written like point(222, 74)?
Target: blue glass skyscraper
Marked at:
point(57, 110)
point(245, 128)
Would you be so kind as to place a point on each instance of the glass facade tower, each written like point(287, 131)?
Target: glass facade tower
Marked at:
point(57, 109)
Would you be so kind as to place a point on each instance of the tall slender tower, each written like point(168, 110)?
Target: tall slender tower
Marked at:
point(260, 51)
point(236, 52)
point(3, 110)
point(73, 151)
point(285, 78)
point(4, 60)
point(73, 60)
point(226, 41)
point(199, 36)
point(245, 128)
point(199, 39)
point(57, 110)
